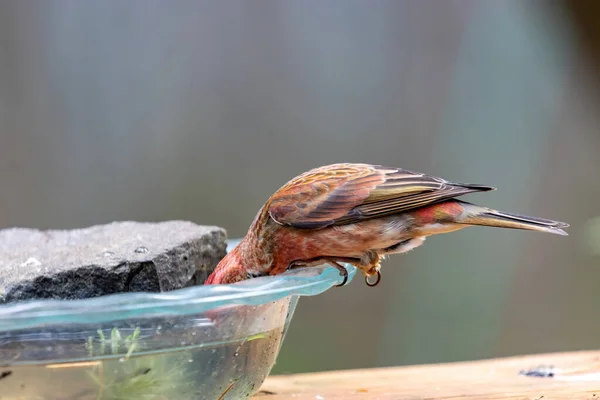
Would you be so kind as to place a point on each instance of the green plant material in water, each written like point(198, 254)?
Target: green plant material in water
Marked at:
point(257, 336)
point(146, 377)
point(152, 376)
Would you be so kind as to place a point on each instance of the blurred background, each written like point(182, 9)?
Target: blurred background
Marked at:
point(151, 110)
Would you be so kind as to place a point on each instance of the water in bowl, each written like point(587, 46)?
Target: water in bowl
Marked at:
point(218, 371)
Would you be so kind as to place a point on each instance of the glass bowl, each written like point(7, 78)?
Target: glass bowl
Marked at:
point(203, 342)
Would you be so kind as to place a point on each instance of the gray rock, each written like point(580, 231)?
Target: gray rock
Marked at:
point(104, 259)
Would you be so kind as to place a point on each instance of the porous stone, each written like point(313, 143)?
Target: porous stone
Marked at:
point(104, 259)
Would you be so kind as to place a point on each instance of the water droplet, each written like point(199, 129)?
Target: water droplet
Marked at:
point(141, 249)
point(190, 360)
point(193, 333)
point(237, 353)
point(122, 359)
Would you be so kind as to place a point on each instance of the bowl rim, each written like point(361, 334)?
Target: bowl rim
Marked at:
point(180, 302)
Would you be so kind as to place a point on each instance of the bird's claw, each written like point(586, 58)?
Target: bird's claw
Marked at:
point(344, 273)
point(331, 261)
point(370, 268)
point(376, 281)
point(342, 269)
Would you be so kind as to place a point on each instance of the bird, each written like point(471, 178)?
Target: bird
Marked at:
point(358, 214)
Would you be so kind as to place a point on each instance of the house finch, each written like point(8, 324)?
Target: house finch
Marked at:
point(357, 214)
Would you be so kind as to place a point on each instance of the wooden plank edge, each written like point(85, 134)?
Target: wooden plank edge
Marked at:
point(565, 375)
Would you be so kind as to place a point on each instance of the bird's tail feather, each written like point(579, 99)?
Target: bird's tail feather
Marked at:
point(483, 216)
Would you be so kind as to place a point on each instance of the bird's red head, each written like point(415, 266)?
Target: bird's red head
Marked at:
point(229, 270)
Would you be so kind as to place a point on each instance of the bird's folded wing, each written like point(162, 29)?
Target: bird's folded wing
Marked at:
point(349, 193)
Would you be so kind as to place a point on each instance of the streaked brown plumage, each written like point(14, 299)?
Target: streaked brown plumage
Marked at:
point(357, 214)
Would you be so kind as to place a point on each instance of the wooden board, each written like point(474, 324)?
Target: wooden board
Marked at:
point(573, 376)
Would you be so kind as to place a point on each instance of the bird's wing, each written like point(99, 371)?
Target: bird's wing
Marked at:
point(341, 194)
